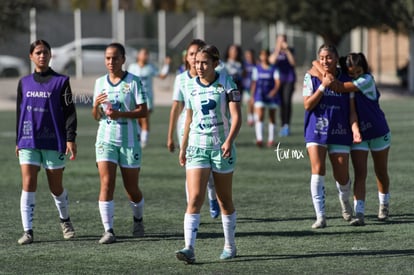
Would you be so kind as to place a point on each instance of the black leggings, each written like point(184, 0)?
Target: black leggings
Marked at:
point(286, 92)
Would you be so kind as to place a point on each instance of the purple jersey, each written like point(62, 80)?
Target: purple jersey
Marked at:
point(247, 75)
point(371, 119)
point(265, 82)
point(287, 71)
point(41, 124)
point(328, 122)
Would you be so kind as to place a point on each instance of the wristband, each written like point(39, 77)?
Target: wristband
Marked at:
point(321, 88)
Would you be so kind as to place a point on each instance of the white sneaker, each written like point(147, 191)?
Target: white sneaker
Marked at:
point(346, 210)
point(383, 212)
point(68, 230)
point(320, 223)
point(27, 238)
point(108, 237)
point(358, 220)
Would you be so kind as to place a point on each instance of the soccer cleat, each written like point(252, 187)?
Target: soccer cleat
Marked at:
point(228, 254)
point(108, 237)
point(138, 228)
point(320, 223)
point(358, 220)
point(383, 212)
point(270, 144)
point(27, 238)
point(68, 230)
point(259, 143)
point(346, 209)
point(214, 209)
point(284, 131)
point(186, 255)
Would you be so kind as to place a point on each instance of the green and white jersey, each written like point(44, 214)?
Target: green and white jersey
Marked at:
point(146, 74)
point(211, 116)
point(180, 87)
point(123, 96)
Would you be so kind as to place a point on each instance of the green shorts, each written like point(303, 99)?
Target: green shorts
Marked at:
point(332, 148)
point(49, 159)
point(150, 101)
point(126, 157)
point(208, 158)
point(375, 144)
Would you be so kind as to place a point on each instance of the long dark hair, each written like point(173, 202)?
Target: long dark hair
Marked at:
point(357, 59)
point(38, 42)
point(330, 48)
point(212, 52)
point(199, 43)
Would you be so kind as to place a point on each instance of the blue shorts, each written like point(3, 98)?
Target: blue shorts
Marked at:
point(208, 158)
point(332, 148)
point(49, 159)
point(375, 144)
point(126, 157)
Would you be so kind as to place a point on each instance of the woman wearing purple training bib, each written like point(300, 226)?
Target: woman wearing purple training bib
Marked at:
point(45, 133)
point(327, 130)
point(373, 134)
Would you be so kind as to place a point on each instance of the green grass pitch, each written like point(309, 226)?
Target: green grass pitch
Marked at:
point(272, 198)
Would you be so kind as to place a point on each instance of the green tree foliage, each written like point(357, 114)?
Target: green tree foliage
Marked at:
point(12, 15)
point(330, 19)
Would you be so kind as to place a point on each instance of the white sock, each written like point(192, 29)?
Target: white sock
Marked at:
point(137, 209)
point(271, 133)
point(359, 206)
point(106, 209)
point(144, 136)
point(62, 204)
point(317, 186)
point(186, 191)
point(384, 198)
point(211, 189)
point(191, 223)
point(27, 205)
point(250, 118)
point(229, 229)
point(344, 190)
point(258, 126)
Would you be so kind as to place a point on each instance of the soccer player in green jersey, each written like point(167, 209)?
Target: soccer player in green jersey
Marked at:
point(118, 101)
point(213, 120)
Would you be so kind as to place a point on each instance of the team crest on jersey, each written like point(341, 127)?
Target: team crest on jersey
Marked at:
point(126, 89)
point(220, 88)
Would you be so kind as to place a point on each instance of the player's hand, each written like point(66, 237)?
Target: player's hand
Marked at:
point(357, 137)
point(113, 114)
point(171, 145)
point(71, 149)
point(17, 151)
point(182, 159)
point(226, 150)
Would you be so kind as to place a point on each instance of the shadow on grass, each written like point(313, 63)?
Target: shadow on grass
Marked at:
point(316, 254)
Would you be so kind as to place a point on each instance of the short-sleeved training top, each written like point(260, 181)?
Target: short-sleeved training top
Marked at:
point(180, 87)
point(265, 82)
point(146, 74)
point(371, 119)
point(211, 116)
point(123, 96)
